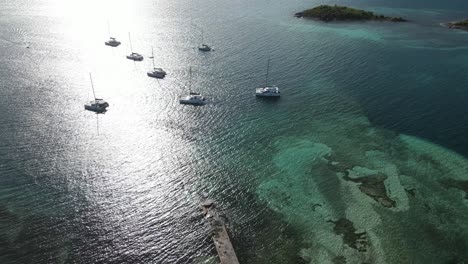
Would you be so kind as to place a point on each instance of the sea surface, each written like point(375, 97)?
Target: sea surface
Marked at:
point(359, 101)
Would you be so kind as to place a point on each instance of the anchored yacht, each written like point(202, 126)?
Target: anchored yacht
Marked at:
point(192, 98)
point(204, 47)
point(133, 55)
point(112, 42)
point(268, 90)
point(96, 105)
point(156, 72)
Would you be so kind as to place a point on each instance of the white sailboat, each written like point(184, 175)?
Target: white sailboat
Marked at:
point(192, 98)
point(112, 41)
point(204, 47)
point(268, 90)
point(97, 105)
point(133, 55)
point(156, 72)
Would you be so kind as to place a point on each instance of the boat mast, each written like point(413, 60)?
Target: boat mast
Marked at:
point(130, 41)
point(202, 40)
point(190, 80)
point(92, 86)
point(108, 28)
point(268, 70)
point(152, 56)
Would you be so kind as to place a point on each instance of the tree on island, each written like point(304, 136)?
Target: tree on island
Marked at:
point(343, 13)
point(459, 25)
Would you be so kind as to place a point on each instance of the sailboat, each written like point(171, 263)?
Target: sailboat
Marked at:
point(112, 41)
point(268, 90)
point(97, 105)
point(156, 72)
point(192, 98)
point(133, 56)
point(204, 47)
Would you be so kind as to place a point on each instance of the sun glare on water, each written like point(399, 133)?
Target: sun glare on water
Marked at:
point(89, 19)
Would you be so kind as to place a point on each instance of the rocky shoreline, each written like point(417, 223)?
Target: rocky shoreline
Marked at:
point(458, 25)
point(342, 13)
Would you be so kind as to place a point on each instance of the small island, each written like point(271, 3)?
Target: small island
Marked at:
point(343, 13)
point(459, 25)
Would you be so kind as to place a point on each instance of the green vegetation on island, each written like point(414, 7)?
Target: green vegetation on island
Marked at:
point(459, 25)
point(343, 13)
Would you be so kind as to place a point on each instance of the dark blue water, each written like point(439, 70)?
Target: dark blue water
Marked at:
point(124, 187)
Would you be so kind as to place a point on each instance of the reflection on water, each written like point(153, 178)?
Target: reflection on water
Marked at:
point(123, 187)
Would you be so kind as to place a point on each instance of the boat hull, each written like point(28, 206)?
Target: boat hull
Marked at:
point(97, 106)
point(205, 48)
point(188, 102)
point(260, 92)
point(135, 58)
point(156, 75)
point(112, 44)
point(267, 95)
point(95, 109)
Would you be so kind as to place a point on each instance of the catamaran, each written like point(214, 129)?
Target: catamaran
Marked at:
point(156, 72)
point(192, 98)
point(112, 41)
point(268, 90)
point(133, 55)
point(204, 47)
point(97, 105)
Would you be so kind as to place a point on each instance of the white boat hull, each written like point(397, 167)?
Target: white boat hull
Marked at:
point(205, 48)
point(193, 99)
point(260, 92)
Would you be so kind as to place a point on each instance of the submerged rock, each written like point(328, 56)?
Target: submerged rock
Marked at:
point(338, 166)
point(457, 184)
point(411, 191)
point(374, 187)
point(352, 238)
point(339, 260)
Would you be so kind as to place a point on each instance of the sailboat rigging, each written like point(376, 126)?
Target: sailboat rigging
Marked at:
point(268, 90)
point(133, 55)
point(97, 105)
point(156, 72)
point(204, 47)
point(112, 41)
point(192, 98)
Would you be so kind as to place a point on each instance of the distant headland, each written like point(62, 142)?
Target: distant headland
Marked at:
point(458, 25)
point(343, 13)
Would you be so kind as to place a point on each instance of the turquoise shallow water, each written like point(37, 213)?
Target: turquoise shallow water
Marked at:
point(359, 100)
